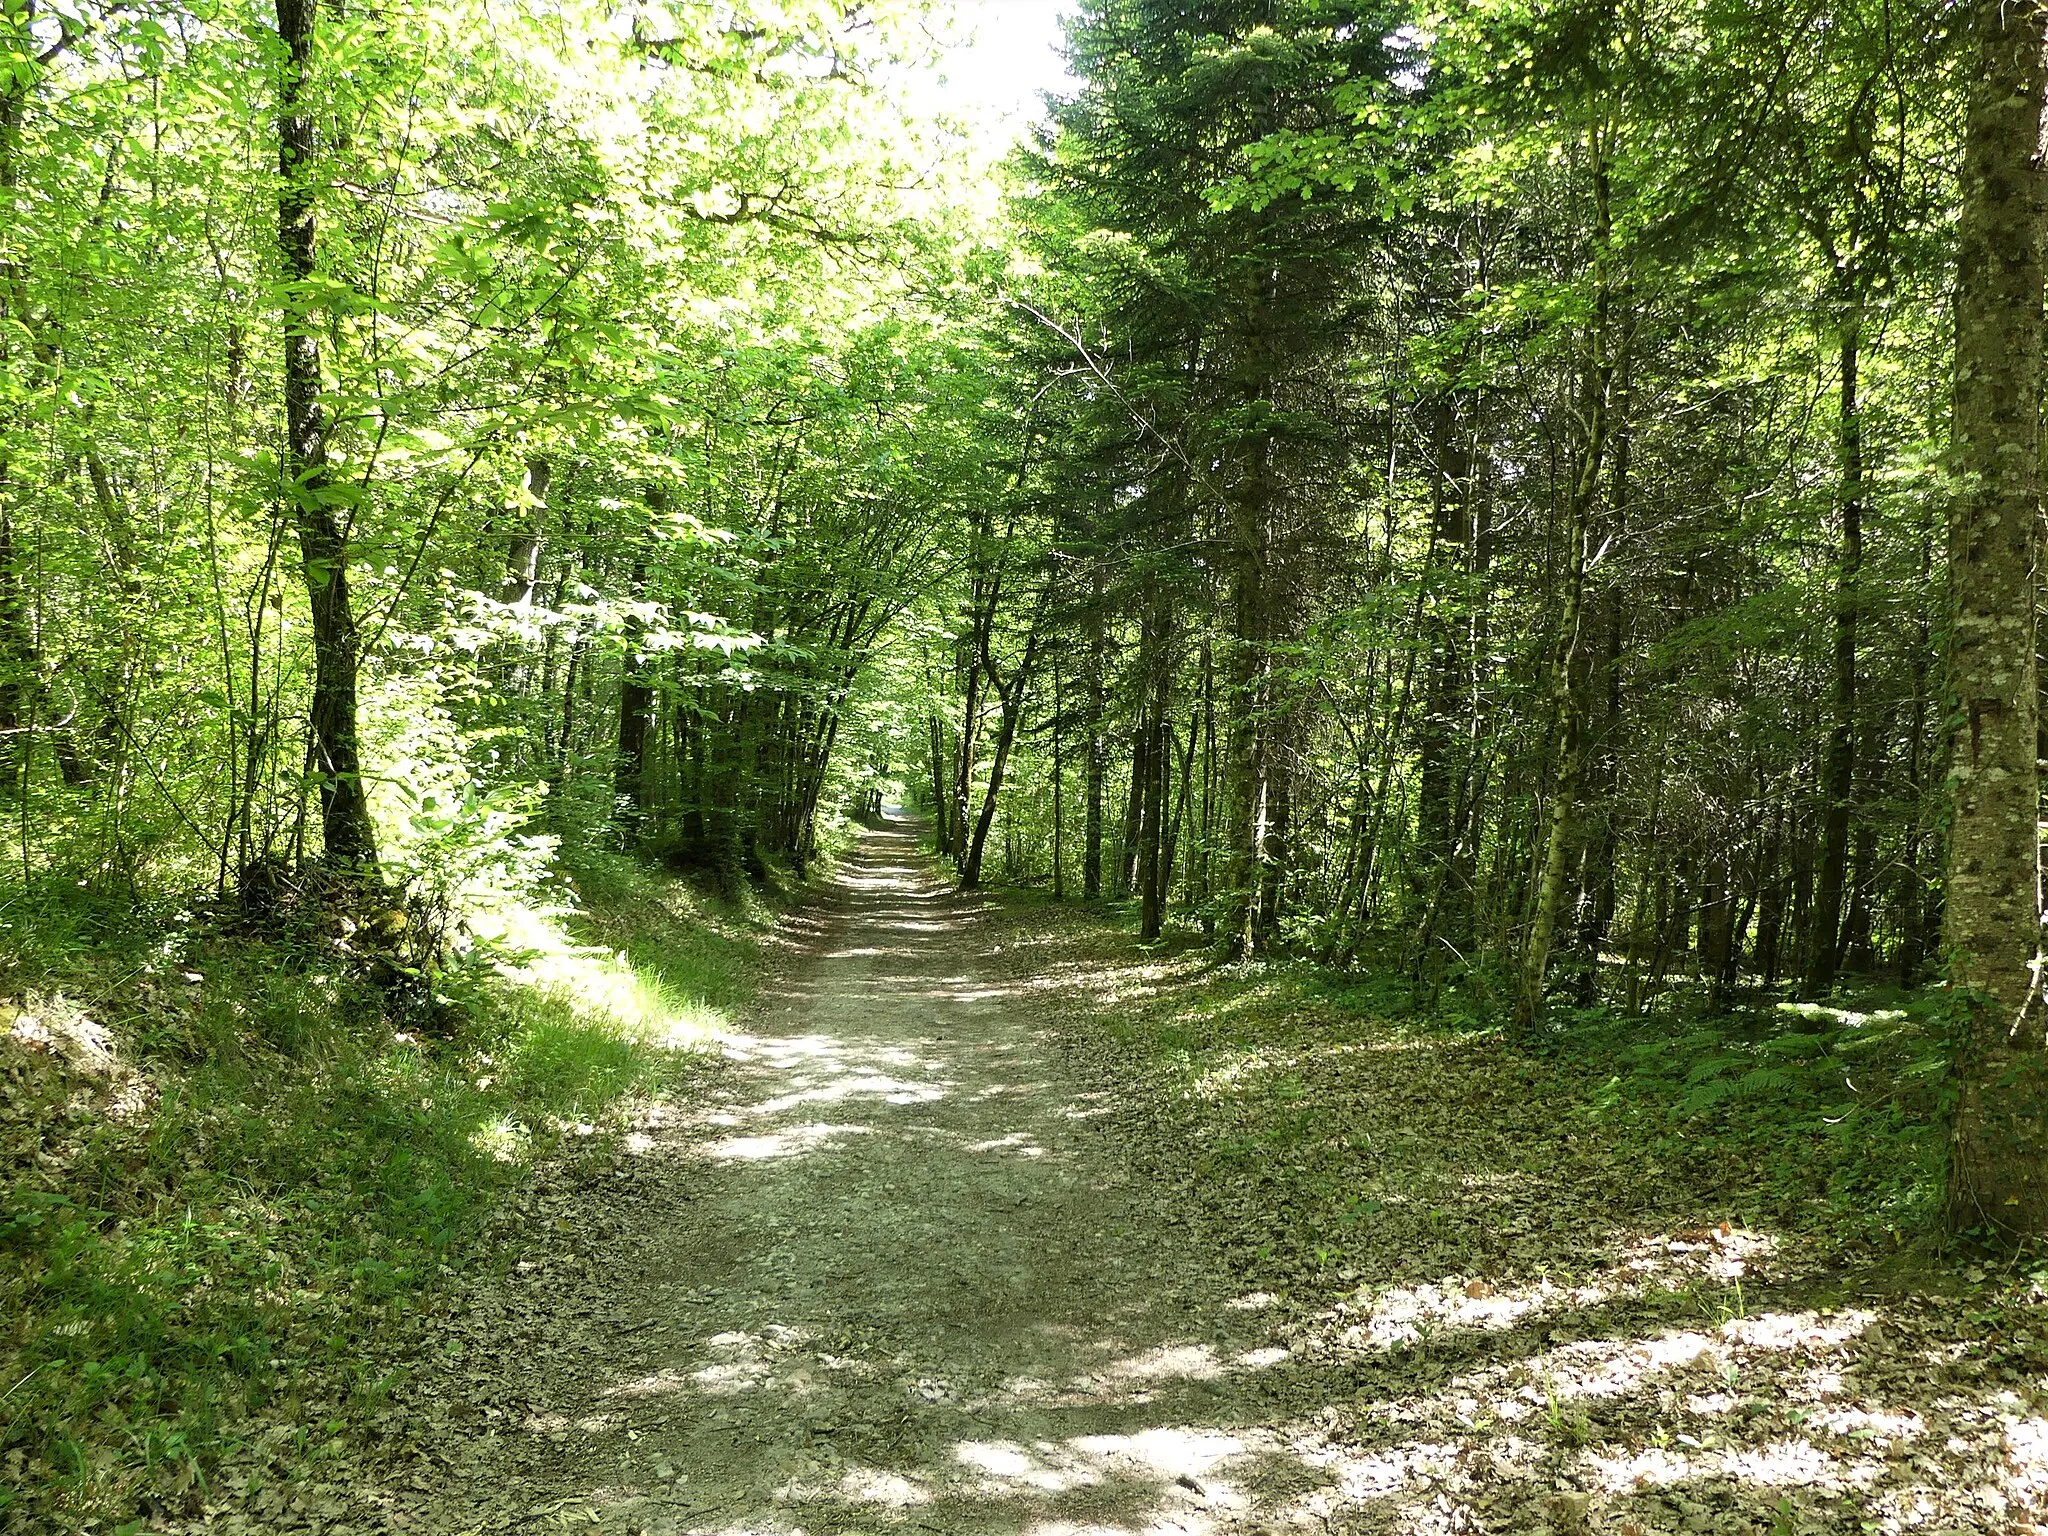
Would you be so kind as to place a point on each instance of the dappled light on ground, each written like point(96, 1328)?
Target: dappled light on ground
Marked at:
point(1516, 1319)
point(902, 1279)
point(540, 952)
point(906, 1267)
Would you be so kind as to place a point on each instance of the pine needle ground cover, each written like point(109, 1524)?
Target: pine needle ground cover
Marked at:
point(1590, 1285)
point(227, 1169)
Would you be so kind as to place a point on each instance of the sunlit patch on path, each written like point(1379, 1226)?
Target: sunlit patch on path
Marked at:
point(904, 1270)
point(904, 1283)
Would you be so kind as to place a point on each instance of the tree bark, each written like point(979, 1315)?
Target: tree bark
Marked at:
point(522, 556)
point(1565, 704)
point(1091, 812)
point(1441, 732)
point(1824, 956)
point(1176, 823)
point(17, 661)
point(1998, 1178)
point(1249, 787)
point(348, 837)
point(1772, 887)
point(1059, 774)
point(636, 714)
point(970, 743)
point(1717, 931)
point(1011, 703)
point(1128, 846)
point(1912, 879)
point(942, 825)
point(1255, 796)
point(1597, 882)
point(1153, 874)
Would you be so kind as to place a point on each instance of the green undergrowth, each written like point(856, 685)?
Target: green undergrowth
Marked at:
point(1344, 1127)
point(225, 1163)
point(1831, 1117)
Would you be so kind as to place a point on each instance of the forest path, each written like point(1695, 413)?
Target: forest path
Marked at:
point(895, 1277)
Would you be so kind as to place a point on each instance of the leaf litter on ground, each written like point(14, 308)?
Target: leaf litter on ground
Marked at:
point(1547, 1306)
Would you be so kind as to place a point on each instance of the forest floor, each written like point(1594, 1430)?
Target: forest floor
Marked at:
point(992, 1222)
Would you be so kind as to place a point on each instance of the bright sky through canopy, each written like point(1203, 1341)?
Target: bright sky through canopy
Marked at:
point(1004, 54)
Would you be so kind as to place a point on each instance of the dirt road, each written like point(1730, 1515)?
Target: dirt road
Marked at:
point(894, 1279)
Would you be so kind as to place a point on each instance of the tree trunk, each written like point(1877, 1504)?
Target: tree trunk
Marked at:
point(1127, 850)
point(522, 556)
point(1176, 824)
point(1565, 703)
point(572, 677)
point(1059, 775)
point(1913, 934)
point(1772, 887)
point(724, 787)
point(1597, 882)
point(1652, 867)
point(1824, 953)
point(1255, 822)
point(1205, 887)
point(1247, 779)
point(1441, 731)
point(1998, 1179)
point(17, 661)
point(1856, 940)
point(962, 814)
point(1151, 839)
point(636, 713)
point(348, 838)
point(1717, 931)
point(942, 825)
point(1091, 811)
point(688, 713)
point(1012, 702)
point(1157, 742)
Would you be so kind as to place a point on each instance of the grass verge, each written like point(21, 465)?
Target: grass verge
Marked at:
point(224, 1166)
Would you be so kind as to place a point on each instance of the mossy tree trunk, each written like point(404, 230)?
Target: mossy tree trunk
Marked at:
point(1999, 1172)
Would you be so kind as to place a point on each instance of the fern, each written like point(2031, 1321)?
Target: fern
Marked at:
point(1755, 1084)
point(1843, 1109)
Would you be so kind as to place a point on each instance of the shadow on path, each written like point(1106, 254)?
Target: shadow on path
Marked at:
point(891, 1279)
